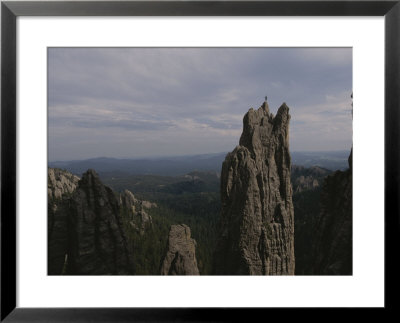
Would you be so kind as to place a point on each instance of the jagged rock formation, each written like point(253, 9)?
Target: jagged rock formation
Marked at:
point(180, 258)
point(60, 182)
point(60, 187)
point(86, 228)
point(138, 217)
point(307, 178)
point(257, 225)
point(333, 239)
point(97, 239)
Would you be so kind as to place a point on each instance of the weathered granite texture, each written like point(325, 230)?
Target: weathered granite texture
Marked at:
point(257, 219)
point(60, 187)
point(60, 182)
point(97, 239)
point(180, 258)
point(139, 219)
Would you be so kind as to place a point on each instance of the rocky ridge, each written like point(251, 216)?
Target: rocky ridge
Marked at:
point(60, 182)
point(60, 187)
point(307, 178)
point(87, 231)
point(139, 219)
point(257, 221)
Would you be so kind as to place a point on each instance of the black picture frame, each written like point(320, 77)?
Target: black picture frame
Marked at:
point(10, 10)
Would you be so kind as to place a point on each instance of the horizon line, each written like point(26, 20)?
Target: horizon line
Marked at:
point(186, 155)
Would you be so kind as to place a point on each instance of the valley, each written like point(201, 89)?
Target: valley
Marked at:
point(194, 199)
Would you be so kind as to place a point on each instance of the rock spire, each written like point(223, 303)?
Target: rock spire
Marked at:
point(257, 219)
point(98, 243)
point(180, 258)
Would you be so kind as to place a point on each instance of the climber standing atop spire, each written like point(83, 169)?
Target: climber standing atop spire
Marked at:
point(265, 98)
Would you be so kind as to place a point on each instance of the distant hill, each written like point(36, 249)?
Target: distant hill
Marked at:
point(181, 165)
point(332, 160)
point(167, 166)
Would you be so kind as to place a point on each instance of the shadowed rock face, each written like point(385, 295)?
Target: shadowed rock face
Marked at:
point(97, 242)
point(60, 187)
point(333, 239)
point(180, 258)
point(257, 227)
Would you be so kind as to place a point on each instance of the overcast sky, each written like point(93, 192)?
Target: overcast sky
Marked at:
point(140, 102)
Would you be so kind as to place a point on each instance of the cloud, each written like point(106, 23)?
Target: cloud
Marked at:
point(112, 95)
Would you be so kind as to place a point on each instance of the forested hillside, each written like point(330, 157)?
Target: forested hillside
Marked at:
point(192, 199)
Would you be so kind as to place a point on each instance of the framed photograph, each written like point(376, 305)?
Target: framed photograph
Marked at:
point(145, 139)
